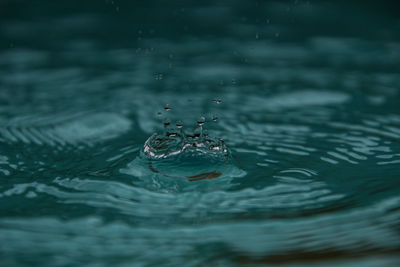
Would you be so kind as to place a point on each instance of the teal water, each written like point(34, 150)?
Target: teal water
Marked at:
point(309, 115)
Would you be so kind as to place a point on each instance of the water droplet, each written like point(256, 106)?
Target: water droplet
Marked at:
point(214, 118)
point(167, 107)
point(257, 36)
point(179, 124)
point(217, 101)
point(233, 81)
point(159, 113)
point(201, 120)
point(167, 122)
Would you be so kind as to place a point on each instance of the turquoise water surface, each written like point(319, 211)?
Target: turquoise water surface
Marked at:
point(301, 108)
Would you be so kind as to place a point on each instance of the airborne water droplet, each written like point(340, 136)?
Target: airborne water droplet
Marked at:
point(179, 124)
point(217, 101)
point(167, 107)
point(167, 122)
point(201, 120)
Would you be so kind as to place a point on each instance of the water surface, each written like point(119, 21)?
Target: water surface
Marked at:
point(309, 114)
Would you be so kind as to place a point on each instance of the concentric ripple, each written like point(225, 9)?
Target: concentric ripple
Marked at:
point(64, 129)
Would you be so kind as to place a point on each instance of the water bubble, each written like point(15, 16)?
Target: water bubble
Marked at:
point(159, 113)
point(214, 118)
point(217, 101)
point(167, 107)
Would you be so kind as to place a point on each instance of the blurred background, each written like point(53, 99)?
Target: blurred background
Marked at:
point(310, 113)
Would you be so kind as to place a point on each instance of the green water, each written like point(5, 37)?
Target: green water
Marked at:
point(310, 117)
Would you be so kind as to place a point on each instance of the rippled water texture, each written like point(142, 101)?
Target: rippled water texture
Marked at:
point(310, 118)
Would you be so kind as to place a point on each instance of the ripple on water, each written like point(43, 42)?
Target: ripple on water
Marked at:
point(64, 129)
point(363, 231)
point(314, 170)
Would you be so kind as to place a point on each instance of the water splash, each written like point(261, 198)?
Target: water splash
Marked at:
point(178, 152)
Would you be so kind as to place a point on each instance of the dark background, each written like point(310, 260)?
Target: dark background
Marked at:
point(49, 24)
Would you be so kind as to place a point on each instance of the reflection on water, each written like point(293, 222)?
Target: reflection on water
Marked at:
point(306, 174)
